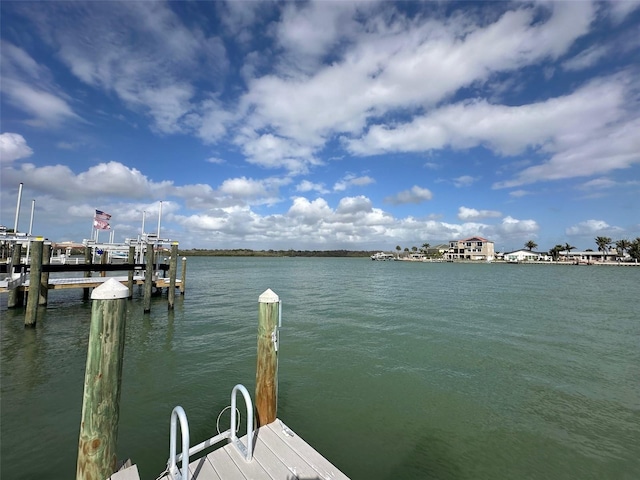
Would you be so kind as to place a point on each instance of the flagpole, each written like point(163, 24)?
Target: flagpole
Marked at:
point(159, 218)
point(15, 224)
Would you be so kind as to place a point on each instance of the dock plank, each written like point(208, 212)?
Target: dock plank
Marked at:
point(279, 454)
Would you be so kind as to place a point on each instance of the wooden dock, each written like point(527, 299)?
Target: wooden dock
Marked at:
point(279, 454)
point(89, 282)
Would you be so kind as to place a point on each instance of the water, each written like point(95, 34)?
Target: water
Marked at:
point(392, 370)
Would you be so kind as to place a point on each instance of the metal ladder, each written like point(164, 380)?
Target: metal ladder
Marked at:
point(246, 451)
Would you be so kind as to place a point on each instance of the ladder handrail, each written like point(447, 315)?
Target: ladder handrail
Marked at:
point(246, 451)
point(178, 414)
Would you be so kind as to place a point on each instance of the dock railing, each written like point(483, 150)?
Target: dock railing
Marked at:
point(178, 414)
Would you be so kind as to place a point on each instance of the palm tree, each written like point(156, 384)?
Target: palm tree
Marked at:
point(634, 249)
point(567, 248)
point(530, 245)
point(622, 246)
point(555, 252)
point(425, 247)
point(398, 248)
point(603, 245)
point(414, 248)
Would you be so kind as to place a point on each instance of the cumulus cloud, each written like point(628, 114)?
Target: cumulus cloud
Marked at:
point(414, 195)
point(352, 180)
point(308, 186)
point(104, 180)
point(13, 147)
point(465, 213)
point(592, 227)
point(464, 181)
point(512, 227)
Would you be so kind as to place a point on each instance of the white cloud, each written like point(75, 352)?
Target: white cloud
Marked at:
point(13, 147)
point(352, 180)
point(308, 186)
point(465, 213)
point(598, 183)
point(141, 51)
point(464, 181)
point(29, 88)
point(519, 193)
point(383, 67)
point(514, 228)
point(587, 58)
point(105, 180)
point(592, 227)
point(414, 195)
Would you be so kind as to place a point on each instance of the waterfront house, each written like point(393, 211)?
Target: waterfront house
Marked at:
point(473, 248)
point(523, 255)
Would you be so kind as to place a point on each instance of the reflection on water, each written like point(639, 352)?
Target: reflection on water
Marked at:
point(390, 369)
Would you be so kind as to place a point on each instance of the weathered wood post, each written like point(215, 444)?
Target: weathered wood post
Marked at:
point(148, 279)
point(35, 270)
point(102, 382)
point(267, 367)
point(103, 261)
point(16, 296)
point(88, 260)
point(173, 269)
point(183, 278)
point(131, 259)
point(44, 277)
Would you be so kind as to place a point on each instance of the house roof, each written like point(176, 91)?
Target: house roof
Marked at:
point(477, 239)
point(526, 251)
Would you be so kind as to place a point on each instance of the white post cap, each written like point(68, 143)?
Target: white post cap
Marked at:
point(110, 290)
point(268, 296)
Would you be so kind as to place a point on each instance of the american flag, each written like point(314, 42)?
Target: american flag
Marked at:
point(100, 215)
point(101, 225)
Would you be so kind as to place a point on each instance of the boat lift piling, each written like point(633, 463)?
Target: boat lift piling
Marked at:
point(16, 296)
point(34, 280)
point(44, 276)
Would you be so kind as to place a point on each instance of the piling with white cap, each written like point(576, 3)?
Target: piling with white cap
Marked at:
point(267, 364)
point(102, 381)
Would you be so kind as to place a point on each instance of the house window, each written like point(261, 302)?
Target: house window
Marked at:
point(479, 244)
point(468, 244)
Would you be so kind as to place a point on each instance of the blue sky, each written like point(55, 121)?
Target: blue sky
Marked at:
point(323, 125)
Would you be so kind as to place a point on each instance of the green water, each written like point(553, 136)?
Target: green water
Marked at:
point(393, 370)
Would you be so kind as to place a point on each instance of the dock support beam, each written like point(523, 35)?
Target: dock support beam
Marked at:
point(44, 277)
point(88, 260)
point(267, 367)
point(16, 296)
point(35, 270)
point(183, 278)
point(148, 279)
point(131, 259)
point(173, 268)
point(102, 383)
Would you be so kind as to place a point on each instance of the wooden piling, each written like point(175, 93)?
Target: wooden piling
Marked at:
point(88, 260)
point(266, 397)
point(131, 259)
point(44, 277)
point(148, 279)
point(173, 267)
point(16, 296)
point(183, 278)
point(103, 261)
point(102, 382)
point(35, 270)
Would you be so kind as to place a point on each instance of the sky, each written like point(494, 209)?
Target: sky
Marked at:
point(323, 125)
